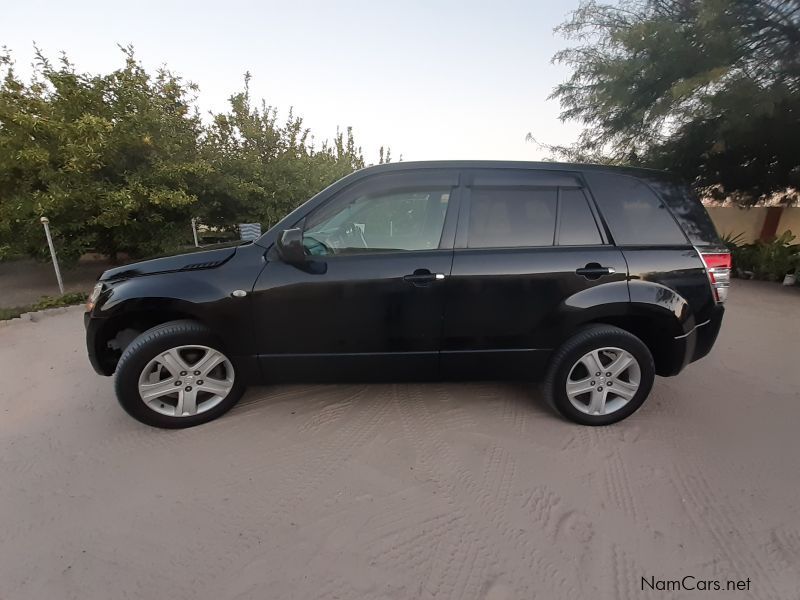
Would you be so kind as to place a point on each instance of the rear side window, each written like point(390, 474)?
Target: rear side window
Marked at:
point(510, 218)
point(576, 225)
point(634, 214)
point(689, 212)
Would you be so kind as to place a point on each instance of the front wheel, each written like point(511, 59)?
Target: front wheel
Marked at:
point(176, 375)
point(600, 376)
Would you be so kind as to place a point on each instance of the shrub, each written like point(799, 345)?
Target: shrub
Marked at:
point(45, 302)
point(765, 260)
point(68, 299)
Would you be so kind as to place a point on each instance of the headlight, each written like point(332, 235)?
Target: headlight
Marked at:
point(90, 302)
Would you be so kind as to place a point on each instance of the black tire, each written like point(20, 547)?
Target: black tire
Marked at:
point(147, 346)
point(588, 339)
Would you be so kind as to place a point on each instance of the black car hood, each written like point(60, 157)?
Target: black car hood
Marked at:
point(206, 259)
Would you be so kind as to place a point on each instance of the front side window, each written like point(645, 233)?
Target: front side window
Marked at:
point(400, 220)
point(510, 218)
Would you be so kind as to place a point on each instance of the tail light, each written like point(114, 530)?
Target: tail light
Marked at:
point(718, 267)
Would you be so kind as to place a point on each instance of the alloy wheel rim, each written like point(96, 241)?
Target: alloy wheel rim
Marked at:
point(186, 380)
point(603, 381)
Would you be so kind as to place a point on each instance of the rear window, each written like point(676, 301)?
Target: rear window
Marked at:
point(510, 218)
point(634, 214)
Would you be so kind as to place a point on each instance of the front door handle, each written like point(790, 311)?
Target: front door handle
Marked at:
point(423, 277)
point(595, 271)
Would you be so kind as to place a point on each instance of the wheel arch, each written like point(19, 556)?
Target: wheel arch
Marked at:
point(654, 313)
point(656, 332)
point(131, 318)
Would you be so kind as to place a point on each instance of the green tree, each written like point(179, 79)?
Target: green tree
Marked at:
point(262, 169)
point(107, 158)
point(121, 162)
point(707, 88)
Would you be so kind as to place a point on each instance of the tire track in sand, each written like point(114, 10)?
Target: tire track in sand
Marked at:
point(294, 473)
point(726, 527)
point(617, 486)
point(467, 560)
point(463, 559)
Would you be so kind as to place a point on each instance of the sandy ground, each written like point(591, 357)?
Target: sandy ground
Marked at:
point(455, 491)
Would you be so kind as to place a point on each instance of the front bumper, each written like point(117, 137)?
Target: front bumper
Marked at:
point(93, 326)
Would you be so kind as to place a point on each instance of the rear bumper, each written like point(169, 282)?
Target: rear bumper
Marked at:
point(695, 344)
point(706, 336)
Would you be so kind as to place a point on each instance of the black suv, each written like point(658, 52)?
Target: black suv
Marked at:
point(592, 278)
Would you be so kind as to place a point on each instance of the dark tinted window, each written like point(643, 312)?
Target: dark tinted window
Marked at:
point(506, 218)
point(633, 212)
point(576, 225)
point(689, 211)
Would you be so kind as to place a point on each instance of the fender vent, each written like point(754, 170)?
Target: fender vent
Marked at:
point(202, 265)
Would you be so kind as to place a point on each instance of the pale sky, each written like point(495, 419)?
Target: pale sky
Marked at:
point(432, 80)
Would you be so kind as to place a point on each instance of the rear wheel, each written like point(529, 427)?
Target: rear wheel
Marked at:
point(600, 376)
point(176, 375)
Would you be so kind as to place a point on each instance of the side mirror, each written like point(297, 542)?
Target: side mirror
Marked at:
point(290, 247)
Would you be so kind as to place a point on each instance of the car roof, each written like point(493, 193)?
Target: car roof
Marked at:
point(515, 164)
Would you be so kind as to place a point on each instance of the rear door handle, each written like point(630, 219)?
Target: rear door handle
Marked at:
point(595, 271)
point(423, 277)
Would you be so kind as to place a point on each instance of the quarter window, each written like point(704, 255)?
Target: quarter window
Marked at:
point(508, 218)
point(635, 215)
point(405, 220)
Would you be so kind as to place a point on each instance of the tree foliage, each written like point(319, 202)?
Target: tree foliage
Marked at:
point(123, 161)
point(706, 88)
point(262, 169)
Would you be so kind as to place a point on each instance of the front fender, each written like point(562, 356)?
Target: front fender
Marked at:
point(143, 302)
point(181, 292)
point(203, 295)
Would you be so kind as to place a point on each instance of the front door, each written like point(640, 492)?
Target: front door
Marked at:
point(371, 304)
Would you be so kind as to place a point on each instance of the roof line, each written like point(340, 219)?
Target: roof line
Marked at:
point(511, 164)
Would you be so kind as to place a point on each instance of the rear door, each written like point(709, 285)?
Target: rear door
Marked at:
point(528, 243)
point(656, 249)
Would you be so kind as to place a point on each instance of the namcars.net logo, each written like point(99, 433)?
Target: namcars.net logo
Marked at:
point(691, 583)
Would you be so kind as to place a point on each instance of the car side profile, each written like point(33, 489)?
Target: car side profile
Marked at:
point(592, 279)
